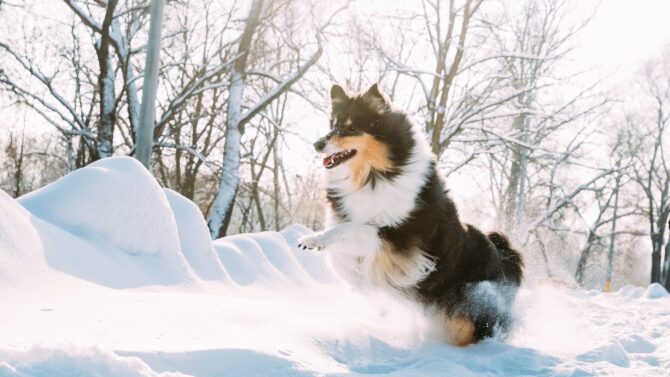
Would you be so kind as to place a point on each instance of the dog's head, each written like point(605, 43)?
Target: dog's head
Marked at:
point(366, 136)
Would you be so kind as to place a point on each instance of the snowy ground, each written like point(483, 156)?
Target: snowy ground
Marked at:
point(103, 273)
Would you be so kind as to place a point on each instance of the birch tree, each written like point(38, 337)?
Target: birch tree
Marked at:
point(239, 114)
point(106, 85)
point(145, 132)
point(189, 132)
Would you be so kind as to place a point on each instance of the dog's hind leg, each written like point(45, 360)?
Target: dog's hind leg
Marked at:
point(460, 331)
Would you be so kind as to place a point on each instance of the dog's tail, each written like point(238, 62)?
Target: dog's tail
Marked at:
point(512, 262)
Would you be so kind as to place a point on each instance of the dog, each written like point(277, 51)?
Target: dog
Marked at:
point(391, 223)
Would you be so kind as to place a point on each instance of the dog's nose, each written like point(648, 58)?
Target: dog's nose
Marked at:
point(320, 144)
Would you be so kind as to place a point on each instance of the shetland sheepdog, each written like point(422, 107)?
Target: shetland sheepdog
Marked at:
point(391, 224)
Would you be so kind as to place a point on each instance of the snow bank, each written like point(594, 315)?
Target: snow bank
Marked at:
point(20, 244)
point(112, 224)
point(194, 238)
point(655, 291)
point(270, 258)
point(116, 199)
point(67, 362)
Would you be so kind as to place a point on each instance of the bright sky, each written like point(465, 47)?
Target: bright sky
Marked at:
point(622, 35)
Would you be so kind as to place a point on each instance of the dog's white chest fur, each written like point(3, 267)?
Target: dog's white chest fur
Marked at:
point(388, 204)
point(355, 249)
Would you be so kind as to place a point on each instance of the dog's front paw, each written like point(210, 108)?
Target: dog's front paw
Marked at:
point(314, 241)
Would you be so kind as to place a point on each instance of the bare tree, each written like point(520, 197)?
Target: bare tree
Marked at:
point(447, 26)
point(237, 118)
point(28, 162)
point(648, 143)
point(145, 132)
point(539, 42)
point(106, 86)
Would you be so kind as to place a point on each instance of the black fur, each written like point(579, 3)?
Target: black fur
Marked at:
point(373, 121)
point(466, 259)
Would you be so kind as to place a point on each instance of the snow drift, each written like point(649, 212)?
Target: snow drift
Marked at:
point(20, 245)
point(105, 273)
point(92, 200)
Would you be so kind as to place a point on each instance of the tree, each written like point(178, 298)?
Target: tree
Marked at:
point(145, 132)
point(539, 42)
point(446, 28)
point(649, 140)
point(106, 85)
point(237, 117)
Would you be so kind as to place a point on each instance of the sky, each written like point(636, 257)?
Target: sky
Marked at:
point(622, 35)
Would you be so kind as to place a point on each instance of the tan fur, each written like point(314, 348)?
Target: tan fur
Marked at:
point(371, 154)
point(399, 270)
point(461, 331)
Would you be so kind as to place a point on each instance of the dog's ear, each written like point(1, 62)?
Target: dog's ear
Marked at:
point(374, 92)
point(376, 98)
point(338, 95)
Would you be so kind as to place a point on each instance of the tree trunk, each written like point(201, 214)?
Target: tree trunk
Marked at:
point(106, 80)
point(610, 252)
point(222, 207)
point(219, 218)
point(584, 257)
point(655, 258)
point(657, 239)
point(667, 261)
point(145, 133)
point(277, 189)
point(515, 193)
point(440, 120)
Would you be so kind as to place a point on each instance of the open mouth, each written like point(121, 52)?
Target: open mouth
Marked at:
point(337, 158)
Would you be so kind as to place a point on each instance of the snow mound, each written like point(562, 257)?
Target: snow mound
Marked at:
point(112, 224)
point(612, 353)
point(20, 245)
point(314, 263)
point(655, 291)
point(114, 198)
point(272, 258)
point(194, 239)
point(94, 260)
point(49, 362)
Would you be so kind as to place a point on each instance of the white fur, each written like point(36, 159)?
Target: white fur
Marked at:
point(352, 245)
point(351, 249)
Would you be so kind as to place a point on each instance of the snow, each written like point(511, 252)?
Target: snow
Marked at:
point(20, 244)
point(194, 239)
point(93, 199)
point(103, 273)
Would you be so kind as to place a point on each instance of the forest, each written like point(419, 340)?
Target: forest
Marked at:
point(227, 98)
